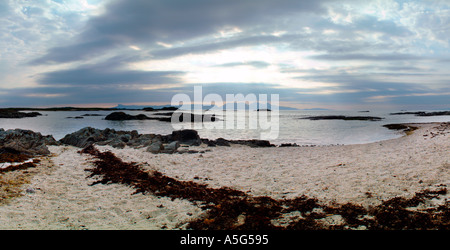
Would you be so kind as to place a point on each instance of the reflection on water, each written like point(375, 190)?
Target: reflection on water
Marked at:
point(292, 128)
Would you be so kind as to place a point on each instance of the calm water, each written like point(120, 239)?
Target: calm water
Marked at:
point(291, 128)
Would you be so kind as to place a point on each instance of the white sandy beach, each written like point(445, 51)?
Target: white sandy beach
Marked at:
point(60, 197)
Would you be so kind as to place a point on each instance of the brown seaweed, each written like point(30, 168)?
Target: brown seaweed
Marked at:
point(18, 167)
point(12, 155)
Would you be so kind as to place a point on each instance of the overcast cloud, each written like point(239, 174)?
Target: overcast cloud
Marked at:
point(326, 53)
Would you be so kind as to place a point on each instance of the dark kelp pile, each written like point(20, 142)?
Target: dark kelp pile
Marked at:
point(12, 155)
point(19, 167)
point(9, 155)
point(14, 176)
point(232, 209)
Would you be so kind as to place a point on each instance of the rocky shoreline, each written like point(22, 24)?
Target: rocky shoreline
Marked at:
point(154, 143)
point(26, 141)
point(394, 184)
point(34, 143)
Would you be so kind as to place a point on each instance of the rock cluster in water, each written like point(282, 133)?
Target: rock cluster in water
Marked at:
point(403, 127)
point(345, 118)
point(163, 117)
point(6, 113)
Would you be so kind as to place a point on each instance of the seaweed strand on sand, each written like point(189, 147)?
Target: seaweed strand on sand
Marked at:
point(233, 209)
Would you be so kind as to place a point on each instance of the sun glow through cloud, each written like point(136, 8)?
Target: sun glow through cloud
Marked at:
point(330, 53)
point(205, 69)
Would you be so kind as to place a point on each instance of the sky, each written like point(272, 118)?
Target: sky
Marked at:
point(343, 55)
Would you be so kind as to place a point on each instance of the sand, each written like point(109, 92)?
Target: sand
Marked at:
point(61, 198)
point(64, 199)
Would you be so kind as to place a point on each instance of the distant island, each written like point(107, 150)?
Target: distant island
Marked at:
point(145, 107)
point(167, 107)
point(54, 109)
point(316, 109)
point(423, 113)
point(165, 117)
point(12, 113)
point(119, 107)
point(162, 109)
point(345, 118)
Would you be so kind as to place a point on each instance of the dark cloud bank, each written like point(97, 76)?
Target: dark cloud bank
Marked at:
point(96, 59)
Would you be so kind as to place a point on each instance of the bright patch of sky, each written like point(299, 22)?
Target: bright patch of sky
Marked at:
point(328, 53)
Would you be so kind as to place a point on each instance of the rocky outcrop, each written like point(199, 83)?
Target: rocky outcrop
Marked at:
point(26, 141)
point(289, 145)
point(157, 109)
point(158, 147)
point(404, 127)
point(122, 116)
point(251, 143)
point(172, 147)
point(155, 147)
point(118, 139)
point(163, 117)
point(189, 117)
point(153, 142)
point(7, 113)
point(186, 136)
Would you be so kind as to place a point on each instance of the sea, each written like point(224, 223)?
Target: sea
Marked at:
point(290, 128)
